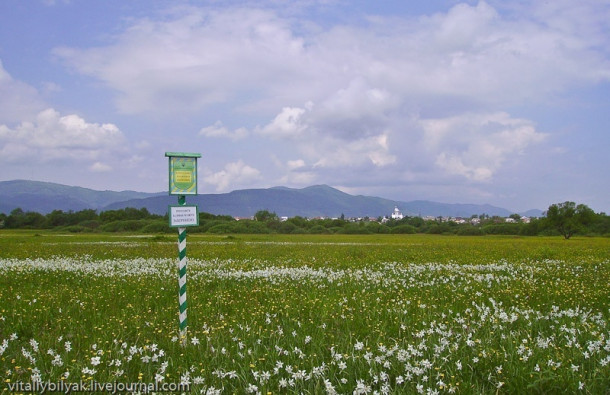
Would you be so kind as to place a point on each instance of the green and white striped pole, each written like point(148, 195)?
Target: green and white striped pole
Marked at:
point(182, 276)
point(182, 182)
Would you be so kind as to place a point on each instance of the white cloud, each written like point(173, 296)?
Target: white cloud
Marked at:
point(393, 100)
point(453, 164)
point(333, 153)
point(99, 167)
point(234, 175)
point(219, 130)
point(343, 142)
point(288, 123)
point(476, 145)
point(295, 173)
point(53, 136)
point(295, 164)
point(256, 58)
point(18, 100)
point(193, 57)
point(298, 178)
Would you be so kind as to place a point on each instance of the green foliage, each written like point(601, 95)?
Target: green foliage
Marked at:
point(403, 229)
point(568, 218)
point(375, 227)
point(127, 213)
point(565, 219)
point(534, 227)
point(600, 226)
point(319, 229)
point(243, 226)
point(353, 228)
point(75, 229)
point(157, 226)
point(205, 226)
point(503, 229)
point(287, 227)
point(265, 216)
point(131, 225)
point(300, 222)
point(469, 230)
point(438, 229)
point(91, 224)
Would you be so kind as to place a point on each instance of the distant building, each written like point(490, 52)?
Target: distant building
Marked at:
point(397, 214)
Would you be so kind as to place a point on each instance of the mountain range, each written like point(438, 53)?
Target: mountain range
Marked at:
point(313, 201)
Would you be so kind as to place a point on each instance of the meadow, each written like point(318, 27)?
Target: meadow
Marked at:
point(312, 314)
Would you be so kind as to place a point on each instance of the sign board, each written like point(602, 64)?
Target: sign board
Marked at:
point(181, 216)
point(182, 173)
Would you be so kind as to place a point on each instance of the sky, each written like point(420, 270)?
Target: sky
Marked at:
point(499, 102)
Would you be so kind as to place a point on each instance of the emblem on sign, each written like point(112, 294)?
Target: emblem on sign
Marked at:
point(182, 173)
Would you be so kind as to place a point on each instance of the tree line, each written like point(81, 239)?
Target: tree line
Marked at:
point(565, 219)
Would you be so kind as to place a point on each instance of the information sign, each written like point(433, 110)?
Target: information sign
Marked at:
point(182, 173)
point(181, 216)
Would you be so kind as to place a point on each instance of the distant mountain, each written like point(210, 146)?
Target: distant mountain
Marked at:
point(313, 201)
point(44, 197)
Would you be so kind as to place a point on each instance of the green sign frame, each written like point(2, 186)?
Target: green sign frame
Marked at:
point(182, 173)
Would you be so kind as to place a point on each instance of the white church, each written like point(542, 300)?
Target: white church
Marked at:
point(397, 214)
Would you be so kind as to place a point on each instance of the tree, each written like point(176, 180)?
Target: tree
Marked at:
point(57, 218)
point(568, 218)
point(33, 220)
point(265, 216)
point(516, 217)
point(15, 218)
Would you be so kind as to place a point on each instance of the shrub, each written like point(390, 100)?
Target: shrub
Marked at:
point(403, 229)
point(355, 229)
point(375, 227)
point(470, 231)
point(91, 224)
point(158, 227)
point(435, 229)
point(75, 229)
point(243, 226)
point(124, 226)
point(209, 224)
point(222, 228)
point(502, 229)
point(286, 227)
point(318, 230)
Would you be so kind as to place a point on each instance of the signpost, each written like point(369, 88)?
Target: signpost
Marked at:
point(182, 182)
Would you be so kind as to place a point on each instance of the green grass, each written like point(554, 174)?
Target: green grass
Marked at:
point(310, 314)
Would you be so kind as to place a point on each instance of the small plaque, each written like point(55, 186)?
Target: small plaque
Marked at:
point(182, 216)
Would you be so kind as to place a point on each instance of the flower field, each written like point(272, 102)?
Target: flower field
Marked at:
point(387, 314)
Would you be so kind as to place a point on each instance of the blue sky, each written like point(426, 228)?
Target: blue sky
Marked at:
point(497, 102)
